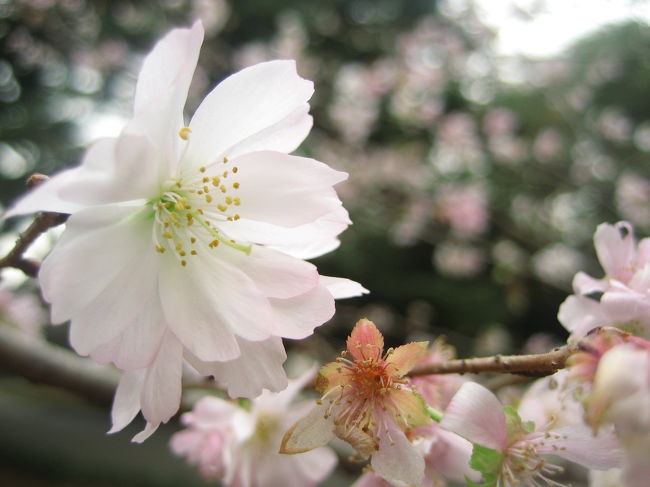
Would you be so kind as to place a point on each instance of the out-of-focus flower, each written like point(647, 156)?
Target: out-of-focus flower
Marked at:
point(239, 446)
point(464, 208)
point(21, 309)
point(512, 452)
point(369, 404)
point(182, 239)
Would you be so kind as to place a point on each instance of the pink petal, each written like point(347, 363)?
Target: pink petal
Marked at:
point(477, 415)
point(365, 342)
point(615, 247)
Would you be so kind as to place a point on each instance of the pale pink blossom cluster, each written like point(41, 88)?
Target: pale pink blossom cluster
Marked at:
point(622, 297)
point(239, 444)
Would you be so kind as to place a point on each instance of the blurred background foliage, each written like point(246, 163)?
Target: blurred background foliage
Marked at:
point(476, 181)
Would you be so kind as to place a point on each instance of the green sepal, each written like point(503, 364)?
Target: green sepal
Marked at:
point(488, 463)
point(516, 427)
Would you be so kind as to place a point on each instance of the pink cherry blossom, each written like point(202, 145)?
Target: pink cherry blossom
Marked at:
point(185, 243)
point(477, 415)
point(614, 369)
point(622, 297)
point(239, 446)
point(368, 403)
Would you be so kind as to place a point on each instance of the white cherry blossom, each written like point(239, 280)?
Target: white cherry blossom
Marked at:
point(185, 242)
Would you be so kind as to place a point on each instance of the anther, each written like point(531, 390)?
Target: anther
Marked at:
point(235, 185)
point(184, 133)
point(167, 235)
point(225, 159)
point(222, 207)
point(235, 169)
point(183, 263)
point(202, 169)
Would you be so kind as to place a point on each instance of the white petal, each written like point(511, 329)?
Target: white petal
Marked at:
point(312, 431)
point(580, 315)
point(104, 176)
point(397, 459)
point(161, 390)
point(341, 288)
point(98, 243)
point(264, 104)
point(285, 190)
point(129, 298)
point(136, 346)
point(477, 415)
point(209, 301)
point(167, 70)
point(577, 443)
point(148, 430)
point(126, 403)
point(259, 367)
point(283, 136)
point(297, 317)
point(275, 274)
point(306, 241)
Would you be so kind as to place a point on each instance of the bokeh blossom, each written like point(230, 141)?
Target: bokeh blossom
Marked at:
point(239, 445)
point(367, 402)
point(182, 242)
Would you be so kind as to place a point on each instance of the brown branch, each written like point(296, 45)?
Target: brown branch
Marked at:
point(41, 223)
point(537, 365)
point(44, 363)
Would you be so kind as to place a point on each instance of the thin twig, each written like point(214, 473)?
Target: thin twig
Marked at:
point(537, 365)
point(43, 222)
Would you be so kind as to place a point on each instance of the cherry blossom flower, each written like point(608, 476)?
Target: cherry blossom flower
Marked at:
point(239, 446)
point(446, 454)
point(510, 452)
point(182, 241)
point(614, 368)
point(369, 404)
point(622, 297)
